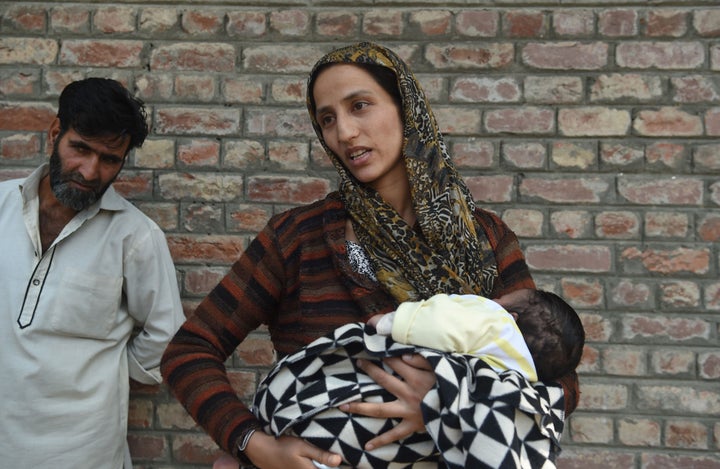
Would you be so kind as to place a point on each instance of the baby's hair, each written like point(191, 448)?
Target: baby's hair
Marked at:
point(553, 332)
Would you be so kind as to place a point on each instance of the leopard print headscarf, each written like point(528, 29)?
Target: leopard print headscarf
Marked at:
point(452, 255)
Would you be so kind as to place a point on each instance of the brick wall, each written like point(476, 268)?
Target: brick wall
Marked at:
point(591, 127)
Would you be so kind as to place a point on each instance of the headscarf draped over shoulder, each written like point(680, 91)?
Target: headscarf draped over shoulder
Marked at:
point(450, 253)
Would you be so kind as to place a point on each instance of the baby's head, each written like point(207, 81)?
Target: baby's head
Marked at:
point(551, 328)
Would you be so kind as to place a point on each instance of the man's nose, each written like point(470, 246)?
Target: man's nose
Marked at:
point(90, 168)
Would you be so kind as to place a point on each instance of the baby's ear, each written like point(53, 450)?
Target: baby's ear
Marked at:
point(514, 315)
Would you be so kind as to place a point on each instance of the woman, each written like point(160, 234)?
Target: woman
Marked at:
point(403, 226)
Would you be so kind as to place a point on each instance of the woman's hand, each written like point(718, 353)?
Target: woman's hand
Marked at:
point(417, 379)
point(285, 452)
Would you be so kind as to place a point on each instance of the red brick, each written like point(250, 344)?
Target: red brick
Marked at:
point(571, 223)
point(693, 89)
point(383, 23)
point(209, 187)
point(668, 154)
point(525, 154)
point(246, 24)
point(621, 155)
point(624, 361)
point(199, 153)
point(26, 116)
point(173, 416)
point(595, 429)
point(618, 23)
point(566, 190)
point(147, 447)
point(696, 261)
point(157, 20)
point(604, 397)
point(620, 87)
point(666, 225)
point(275, 122)
point(674, 55)
point(585, 293)
point(669, 23)
point(290, 23)
point(112, 20)
point(709, 228)
point(470, 56)
point(70, 19)
point(243, 154)
point(198, 281)
point(617, 225)
point(681, 399)
point(525, 223)
point(633, 294)
point(201, 249)
point(20, 147)
point(578, 155)
point(203, 57)
point(709, 365)
point(686, 434)
point(595, 458)
point(289, 155)
point(279, 189)
point(553, 90)
point(673, 362)
point(569, 258)
point(707, 22)
point(639, 432)
point(187, 121)
point(256, 351)
point(712, 121)
point(485, 90)
point(432, 22)
point(195, 88)
point(18, 83)
point(664, 328)
point(491, 188)
point(102, 53)
point(134, 184)
point(33, 51)
point(155, 86)
point(140, 414)
point(459, 121)
point(525, 23)
point(196, 448)
point(473, 153)
point(597, 328)
point(566, 55)
point(664, 460)
point(247, 217)
point(242, 90)
point(339, 24)
point(477, 23)
point(571, 22)
point(707, 157)
point(203, 218)
point(594, 121)
point(25, 18)
point(164, 214)
point(525, 120)
point(202, 22)
point(662, 190)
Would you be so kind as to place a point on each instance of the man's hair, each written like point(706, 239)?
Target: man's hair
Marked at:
point(553, 332)
point(101, 107)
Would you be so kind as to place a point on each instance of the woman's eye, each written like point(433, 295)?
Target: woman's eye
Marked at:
point(325, 121)
point(360, 105)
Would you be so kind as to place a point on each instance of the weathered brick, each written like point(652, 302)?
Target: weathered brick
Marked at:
point(210, 187)
point(288, 59)
point(203, 218)
point(592, 429)
point(26, 116)
point(491, 189)
point(525, 23)
point(459, 121)
point(623, 360)
point(583, 292)
point(553, 89)
point(477, 23)
point(618, 23)
point(383, 22)
point(469, 56)
point(571, 22)
point(156, 153)
point(201, 249)
point(712, 297)
point(686, 434)
point(187, 120)
point(290, 23)
point(24, 18)
point(680, 294)
point(571, 223)
point(247, 217)
point(604, 396)
point(631, 294)
point(661, 461)
point(667, 154)
point(202, 57)
point(473, 153)
point(595, 458)
point(195, 87)
point(115, 19)
point(525, 120)
point(664, 328)
point(173, 416)
point(617, 225)
point(140, 413)
point(148, 447)
point(18, 82)
point(240, 154)
point(565, 190)
point(241, 90)
point(676, 55)
point(569, 258)
point(485, 90)
point(196, 448)
point(666, 225)
point(669, 23)
point(244, 383)
point(288, 190)
point(198, 281)
point(157, 20)
point(712, 121)
point(623, 86)
point(709, 365)
point(525, 223)
point(20, 147)
point(707, 157)
point(154, 86)
point(639, 432)
point(102, 53)
point(694, 89)
point(597, 328)
point(256, 351)
point(578, 155)
point(339, 24)
point(246, 24)
point(432, 22)
point(286, 155)
point(667, 261)
point(566, 55)
point(277, 122)
point(616, 154)
point(34, 51)
point(673, 362)
point(590, 362)
point(593, 121)
point(199, 153)
point(709, 227)
point(165, 214)
point(659, 191)
point(288, 91)
point(136, 184)
point(524, 154)
point(70, 19)
point(707, 22)
point(202, 22)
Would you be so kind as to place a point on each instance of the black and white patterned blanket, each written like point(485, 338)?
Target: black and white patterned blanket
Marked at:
point(475, 417)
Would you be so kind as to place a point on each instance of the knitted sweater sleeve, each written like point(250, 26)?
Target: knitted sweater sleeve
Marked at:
point(193, 363)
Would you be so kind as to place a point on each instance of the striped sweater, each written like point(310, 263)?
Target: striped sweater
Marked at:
point(295, 278)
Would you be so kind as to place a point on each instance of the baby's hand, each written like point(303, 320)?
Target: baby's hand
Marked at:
point(382, 323)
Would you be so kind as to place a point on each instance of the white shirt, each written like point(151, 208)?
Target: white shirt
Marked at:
point(67, 316)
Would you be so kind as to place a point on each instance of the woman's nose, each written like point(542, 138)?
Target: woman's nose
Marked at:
point(347, 129)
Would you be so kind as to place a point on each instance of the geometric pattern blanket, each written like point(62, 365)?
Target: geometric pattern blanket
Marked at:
point(475, 417)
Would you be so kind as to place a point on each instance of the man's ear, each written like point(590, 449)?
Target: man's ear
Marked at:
point(53, 132)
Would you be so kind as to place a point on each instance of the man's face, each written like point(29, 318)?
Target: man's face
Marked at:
point(82, 168)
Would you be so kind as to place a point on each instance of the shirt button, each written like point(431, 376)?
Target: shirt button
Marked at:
point(36, 282)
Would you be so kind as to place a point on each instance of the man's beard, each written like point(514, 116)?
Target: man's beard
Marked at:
point(69, 196)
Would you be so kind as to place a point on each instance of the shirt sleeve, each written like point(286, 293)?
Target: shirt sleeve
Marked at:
point(153, 300)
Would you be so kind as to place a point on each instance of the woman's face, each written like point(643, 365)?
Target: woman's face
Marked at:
point(361, 124)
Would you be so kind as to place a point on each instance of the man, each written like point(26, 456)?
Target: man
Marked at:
point(88, 290)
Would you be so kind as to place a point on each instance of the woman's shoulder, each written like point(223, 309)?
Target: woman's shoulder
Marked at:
point(319, 213)
point(490, 221)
